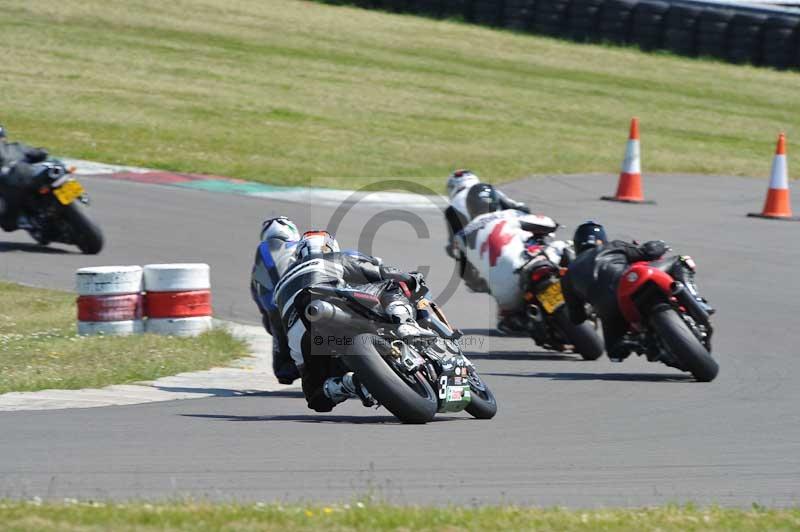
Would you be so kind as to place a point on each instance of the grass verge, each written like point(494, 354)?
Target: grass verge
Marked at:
point(40, 349)
point(22, 516)
point(292, 92)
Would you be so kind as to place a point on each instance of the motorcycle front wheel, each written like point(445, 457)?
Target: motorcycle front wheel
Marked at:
point(483, 404)
point(684, 345)
point(409, 397)
point(86, 233)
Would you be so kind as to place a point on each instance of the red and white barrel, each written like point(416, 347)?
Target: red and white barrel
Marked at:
point(109, 300)
point(177, 299)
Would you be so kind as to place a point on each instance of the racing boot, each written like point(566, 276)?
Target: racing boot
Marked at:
point(621, 350)
point(283, 366)
point(514, 325)
point(340, 389)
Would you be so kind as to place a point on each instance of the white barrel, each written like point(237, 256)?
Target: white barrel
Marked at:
point(176, 277)
point(111, 328)
point(107, 280)
point(178, 326)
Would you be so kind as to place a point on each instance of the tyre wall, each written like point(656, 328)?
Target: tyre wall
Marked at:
point(736, 34)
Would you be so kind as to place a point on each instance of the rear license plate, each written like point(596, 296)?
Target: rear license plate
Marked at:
point(551, 297)
point(68, 192)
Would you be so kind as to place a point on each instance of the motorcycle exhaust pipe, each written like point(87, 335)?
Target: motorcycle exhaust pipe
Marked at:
point(317, 311)
point(686, 299)
point(55, 172)
point(535, 313)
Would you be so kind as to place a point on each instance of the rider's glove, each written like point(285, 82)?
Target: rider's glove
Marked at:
point(523, 208)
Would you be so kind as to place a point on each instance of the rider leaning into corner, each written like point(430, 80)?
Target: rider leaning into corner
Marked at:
point(275, 254)
point(460, 186)
point(317, 260)
point(593, 277)
point(16, 177)
point(492, 250)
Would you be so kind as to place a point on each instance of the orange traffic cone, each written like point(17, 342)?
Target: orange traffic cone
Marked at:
point(779, 202)
point(629, 189)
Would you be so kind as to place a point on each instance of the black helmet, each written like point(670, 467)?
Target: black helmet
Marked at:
point(482, 199)
point(588, 235)
point(2, 132)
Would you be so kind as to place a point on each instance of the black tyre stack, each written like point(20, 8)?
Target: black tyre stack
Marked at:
point(582, 19)
point(488, 12)
point(615, 21)
point(712, 32)
point(518, 14)
point(551, 17)
point(455, 9)
point(780, 42)
point(396, 6)
point(647, 29)
point(429, 8)
point(745, 32)
point(737, 35)
point(679, 29)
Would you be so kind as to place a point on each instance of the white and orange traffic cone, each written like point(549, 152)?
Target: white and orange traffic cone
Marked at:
point(778, 205)
point(629, 189)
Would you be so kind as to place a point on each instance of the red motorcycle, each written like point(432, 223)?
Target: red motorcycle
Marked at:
point(669, 321)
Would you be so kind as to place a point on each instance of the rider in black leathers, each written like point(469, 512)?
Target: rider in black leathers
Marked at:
point(593, 277)
point(16, 177)
point(319, 262)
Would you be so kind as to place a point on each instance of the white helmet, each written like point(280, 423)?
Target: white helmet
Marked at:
point(459, 180)
point(280, 227)
point(316, 243)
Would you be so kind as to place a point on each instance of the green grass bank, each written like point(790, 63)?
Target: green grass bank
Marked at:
point(22, 516)
point(293, 92)
point(40, 349)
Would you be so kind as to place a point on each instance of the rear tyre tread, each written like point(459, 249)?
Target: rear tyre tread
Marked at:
point(684, 345)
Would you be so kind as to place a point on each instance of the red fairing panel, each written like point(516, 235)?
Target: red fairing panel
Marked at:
point(632, 280)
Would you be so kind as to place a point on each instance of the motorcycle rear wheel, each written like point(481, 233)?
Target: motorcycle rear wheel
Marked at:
point(684, 345)
point(87, 234)
point(410, 403)
point(585, 339)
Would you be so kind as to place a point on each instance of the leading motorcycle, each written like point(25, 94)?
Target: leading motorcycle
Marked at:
point(54, 212)
point(668, 320)
point(414, 370)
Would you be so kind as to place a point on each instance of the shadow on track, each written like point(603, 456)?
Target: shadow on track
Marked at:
point(524, 355)
point(222, 392)
point(617, 377)
point(494, 333)
point(33, 248)
point(317, 418)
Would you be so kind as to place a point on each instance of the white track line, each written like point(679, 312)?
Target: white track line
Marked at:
point(252, 374)
point(303, 195)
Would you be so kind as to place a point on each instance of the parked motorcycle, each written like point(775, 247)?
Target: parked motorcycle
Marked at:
point(55, 211)
point(414, 371)
point(669, 320)
point(549, 324)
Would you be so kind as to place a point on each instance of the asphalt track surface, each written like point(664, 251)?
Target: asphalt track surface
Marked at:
point(568, 432)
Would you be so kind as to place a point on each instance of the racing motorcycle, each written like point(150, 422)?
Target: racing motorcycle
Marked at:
point(669, 320)
point(414, 370)
point(549, 324)
point(54, 211)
